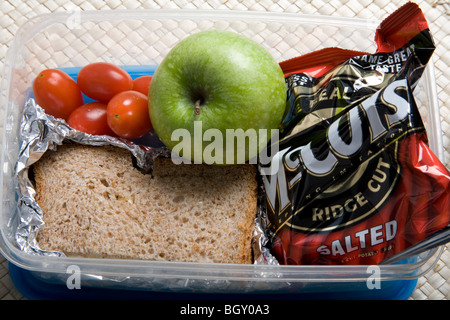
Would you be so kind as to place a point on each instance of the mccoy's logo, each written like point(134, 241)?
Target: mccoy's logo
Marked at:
point(341, 175)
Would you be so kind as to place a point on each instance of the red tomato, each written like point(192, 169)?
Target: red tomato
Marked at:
point(127, 114)
point(142, 84)
point(101, 81)
point(57, 93)
point(91, 118)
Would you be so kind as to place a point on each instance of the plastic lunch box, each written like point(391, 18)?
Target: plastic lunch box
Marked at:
point(138, 40)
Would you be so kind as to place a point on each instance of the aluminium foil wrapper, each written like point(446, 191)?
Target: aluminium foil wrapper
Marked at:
point(40, 132)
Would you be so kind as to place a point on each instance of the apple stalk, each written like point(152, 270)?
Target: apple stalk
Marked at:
point(197, 107)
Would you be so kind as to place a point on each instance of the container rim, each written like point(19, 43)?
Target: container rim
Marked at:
point(406, 270)
point(183, 13)
point(41, 21)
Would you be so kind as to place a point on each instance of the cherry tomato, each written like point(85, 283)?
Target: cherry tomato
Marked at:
point(57, 93)
point(127, 114)
point(101, 81)
point(142, 84)
point(90, 118)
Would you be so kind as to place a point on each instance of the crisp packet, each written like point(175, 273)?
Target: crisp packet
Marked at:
point(354, 181)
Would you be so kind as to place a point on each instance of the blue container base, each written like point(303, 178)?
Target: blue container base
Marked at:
point(36, 289)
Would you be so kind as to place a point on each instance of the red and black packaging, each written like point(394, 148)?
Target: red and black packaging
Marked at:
point(356, 181)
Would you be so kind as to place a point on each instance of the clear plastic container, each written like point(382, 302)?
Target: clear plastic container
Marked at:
point(141, 38)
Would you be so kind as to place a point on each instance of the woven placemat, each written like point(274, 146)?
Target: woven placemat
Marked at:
point(435, 285)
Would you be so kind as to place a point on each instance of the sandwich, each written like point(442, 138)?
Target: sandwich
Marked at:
point(97, 204)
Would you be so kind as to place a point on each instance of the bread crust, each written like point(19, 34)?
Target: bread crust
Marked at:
point(96, 204)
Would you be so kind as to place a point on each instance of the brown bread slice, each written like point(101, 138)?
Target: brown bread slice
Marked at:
point(97, 204)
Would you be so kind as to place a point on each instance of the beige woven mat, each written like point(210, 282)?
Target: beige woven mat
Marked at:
point(435, 285)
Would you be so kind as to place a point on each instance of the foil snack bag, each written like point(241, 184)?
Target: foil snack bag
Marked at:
point(354, 181)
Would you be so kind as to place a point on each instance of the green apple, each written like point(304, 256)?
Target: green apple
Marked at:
point(217, 97)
